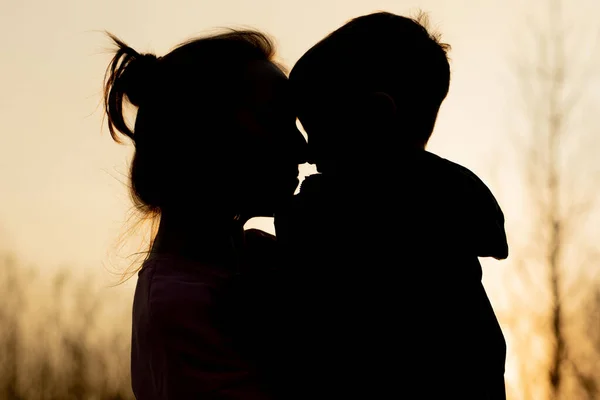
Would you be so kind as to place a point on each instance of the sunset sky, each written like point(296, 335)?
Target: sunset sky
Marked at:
point(62, 196)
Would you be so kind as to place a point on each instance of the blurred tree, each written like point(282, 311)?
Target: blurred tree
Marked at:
point(13, 301)
point(555, 160)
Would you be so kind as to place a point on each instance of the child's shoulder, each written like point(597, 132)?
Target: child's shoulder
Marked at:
point(448, 166)
point(453, 172)
point(463, 182)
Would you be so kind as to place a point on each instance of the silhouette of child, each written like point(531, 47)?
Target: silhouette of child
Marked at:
point(384, 241)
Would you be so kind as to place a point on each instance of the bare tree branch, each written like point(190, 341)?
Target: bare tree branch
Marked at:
point(552, 90)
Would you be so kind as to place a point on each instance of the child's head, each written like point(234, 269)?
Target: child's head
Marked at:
point(214, 131)
point(375, 83)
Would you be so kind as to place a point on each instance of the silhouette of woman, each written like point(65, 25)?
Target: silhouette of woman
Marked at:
point(215, 145)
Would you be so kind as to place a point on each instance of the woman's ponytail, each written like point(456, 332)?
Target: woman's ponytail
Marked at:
point(129, 75)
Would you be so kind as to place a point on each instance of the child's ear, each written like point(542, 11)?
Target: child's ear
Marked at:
point(381, 106)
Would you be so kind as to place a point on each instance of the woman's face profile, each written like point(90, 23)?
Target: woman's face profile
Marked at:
point(272, 144)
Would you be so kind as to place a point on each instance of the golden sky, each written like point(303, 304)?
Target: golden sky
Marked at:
point(62, 200)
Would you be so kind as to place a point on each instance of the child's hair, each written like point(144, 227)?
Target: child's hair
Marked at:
point(380, 52)
point(184, 101)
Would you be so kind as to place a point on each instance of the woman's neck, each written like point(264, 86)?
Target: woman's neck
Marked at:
point(203, 238)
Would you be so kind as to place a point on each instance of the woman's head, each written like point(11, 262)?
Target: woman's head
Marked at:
point(213, 130)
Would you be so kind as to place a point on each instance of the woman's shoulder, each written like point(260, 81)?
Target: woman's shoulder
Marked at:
point(177, 286)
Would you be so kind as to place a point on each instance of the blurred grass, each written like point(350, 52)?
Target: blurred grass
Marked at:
point(62, 336)
point(65, 334)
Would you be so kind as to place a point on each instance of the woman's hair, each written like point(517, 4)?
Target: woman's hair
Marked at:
point(184, 101)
